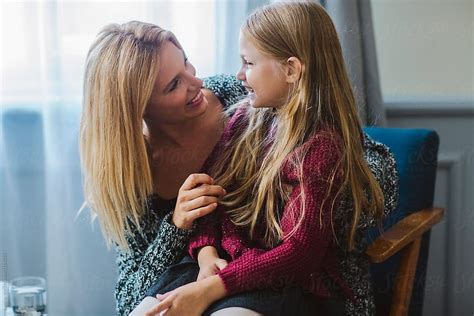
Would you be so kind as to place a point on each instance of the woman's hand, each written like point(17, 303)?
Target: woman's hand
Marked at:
point(209, 262)
point(190, 299)
point(197, 197)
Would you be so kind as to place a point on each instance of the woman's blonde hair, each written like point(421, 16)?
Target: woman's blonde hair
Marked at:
point(120, 73)
point(321, 99)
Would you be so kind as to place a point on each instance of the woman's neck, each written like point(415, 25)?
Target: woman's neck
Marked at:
point(186, 134)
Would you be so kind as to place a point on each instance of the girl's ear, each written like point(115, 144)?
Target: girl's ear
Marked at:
point(294, 68)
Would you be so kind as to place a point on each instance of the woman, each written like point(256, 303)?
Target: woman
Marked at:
point(146, 126)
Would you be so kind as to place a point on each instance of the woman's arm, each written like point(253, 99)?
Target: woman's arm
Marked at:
point(138, 269)
point(161, 241)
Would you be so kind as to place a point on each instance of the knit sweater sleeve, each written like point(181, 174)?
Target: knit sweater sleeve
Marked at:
point(209, 234)
point(161, 245)
point(303, 251)
point(227, 88)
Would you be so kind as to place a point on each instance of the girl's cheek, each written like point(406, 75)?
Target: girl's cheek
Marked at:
point(248, 73)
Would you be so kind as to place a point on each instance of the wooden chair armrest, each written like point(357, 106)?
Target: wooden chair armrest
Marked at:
point(403, 233)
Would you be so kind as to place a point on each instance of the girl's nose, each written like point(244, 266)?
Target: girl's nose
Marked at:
point(240, 75)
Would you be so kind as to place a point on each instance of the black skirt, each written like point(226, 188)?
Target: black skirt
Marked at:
point(285, 301)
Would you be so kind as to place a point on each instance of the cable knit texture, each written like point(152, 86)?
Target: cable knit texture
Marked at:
point(316, 255)
point(161, 244)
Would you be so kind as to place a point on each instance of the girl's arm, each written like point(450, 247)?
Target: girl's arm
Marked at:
point(208, 233)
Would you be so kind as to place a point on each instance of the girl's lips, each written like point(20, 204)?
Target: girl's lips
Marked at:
point(196, 100)
point(250, 90)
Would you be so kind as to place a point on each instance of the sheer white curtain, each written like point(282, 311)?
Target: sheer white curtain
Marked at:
point(43, 48)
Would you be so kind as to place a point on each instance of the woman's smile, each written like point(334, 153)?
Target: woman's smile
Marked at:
point(197, 100)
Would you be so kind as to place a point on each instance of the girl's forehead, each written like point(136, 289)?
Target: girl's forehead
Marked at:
point(247, 46)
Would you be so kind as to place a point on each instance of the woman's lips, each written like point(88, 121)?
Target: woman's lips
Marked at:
point(197, 99)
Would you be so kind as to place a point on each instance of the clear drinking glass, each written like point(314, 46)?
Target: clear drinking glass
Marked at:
point(4, 286)
point(28, 296)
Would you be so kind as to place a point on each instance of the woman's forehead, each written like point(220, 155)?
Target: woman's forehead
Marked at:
point(171, 61)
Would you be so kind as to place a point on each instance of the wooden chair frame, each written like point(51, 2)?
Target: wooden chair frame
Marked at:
point(405, 237)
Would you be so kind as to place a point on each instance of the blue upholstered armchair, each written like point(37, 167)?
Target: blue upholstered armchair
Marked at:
point(400, 253)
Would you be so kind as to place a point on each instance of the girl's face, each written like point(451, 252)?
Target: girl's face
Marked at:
point(262, 76)
point(177, 95)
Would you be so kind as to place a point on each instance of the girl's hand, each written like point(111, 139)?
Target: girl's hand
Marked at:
point(190, 299)
point(197, 197)
point(209, 262)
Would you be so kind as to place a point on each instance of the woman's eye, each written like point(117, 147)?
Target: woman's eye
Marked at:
point(175, 85)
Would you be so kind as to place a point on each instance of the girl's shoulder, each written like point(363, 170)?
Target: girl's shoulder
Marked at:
point(320, 153)
point(324, 141)
point(237, 122)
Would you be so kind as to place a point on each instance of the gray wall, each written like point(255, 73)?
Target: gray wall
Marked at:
point(425, 50)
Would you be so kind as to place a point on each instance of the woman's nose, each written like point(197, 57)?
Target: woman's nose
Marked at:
point(197, 82)
point(194, 82)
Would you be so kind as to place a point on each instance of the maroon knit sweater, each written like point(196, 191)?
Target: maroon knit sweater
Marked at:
point(306, 258)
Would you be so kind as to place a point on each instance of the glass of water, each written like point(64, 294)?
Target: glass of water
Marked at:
point(28, 296)
point(4, 302)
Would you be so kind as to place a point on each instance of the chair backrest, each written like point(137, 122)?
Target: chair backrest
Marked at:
point(416, 153)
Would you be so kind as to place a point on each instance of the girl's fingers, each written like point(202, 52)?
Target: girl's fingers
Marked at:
point(195, 179)
point(202, 211)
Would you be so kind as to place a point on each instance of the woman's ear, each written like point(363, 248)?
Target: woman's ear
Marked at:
point(294, 67)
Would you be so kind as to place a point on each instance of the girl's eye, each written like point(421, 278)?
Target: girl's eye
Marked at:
point(245, 62)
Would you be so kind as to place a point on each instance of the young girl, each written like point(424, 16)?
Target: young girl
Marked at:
point(299, 189)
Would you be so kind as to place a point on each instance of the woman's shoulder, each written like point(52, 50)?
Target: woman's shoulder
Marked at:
point(383, 165)
point(227, 88)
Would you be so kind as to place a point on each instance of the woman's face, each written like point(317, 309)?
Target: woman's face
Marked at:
point(176, 95)
point(262, 76)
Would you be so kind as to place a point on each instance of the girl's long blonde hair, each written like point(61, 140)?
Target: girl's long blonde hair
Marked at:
point(120, 73)
point(321, 98)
